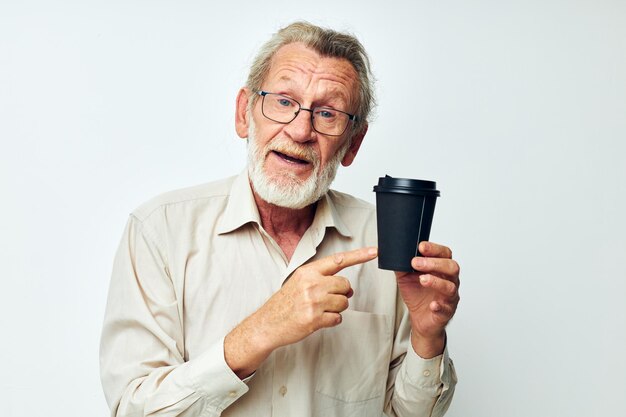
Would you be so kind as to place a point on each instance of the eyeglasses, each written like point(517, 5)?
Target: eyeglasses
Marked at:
point(325, 120)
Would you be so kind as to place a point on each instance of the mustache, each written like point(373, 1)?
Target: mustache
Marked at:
point(294, 150)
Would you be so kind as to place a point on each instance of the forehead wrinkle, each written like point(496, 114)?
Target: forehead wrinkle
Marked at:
point(333, 84)
point(304, 68)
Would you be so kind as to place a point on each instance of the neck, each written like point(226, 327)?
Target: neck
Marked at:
point(286, 226)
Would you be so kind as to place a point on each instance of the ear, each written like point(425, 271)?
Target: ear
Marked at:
point(357, 139)
point(241, 113)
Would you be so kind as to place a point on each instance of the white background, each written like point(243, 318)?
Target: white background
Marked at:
point(516, 108)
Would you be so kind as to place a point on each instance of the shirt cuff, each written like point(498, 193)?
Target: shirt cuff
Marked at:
point(211, 376)
point(425, 374)
point(429, 382)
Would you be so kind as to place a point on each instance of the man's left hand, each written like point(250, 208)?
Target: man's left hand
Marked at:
point(431, 295)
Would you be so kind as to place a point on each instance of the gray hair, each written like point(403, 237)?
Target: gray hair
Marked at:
point(328, 43)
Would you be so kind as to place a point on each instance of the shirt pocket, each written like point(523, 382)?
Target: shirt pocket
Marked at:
point(353, 361)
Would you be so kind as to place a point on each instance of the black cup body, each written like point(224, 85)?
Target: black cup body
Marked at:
point(404, 214)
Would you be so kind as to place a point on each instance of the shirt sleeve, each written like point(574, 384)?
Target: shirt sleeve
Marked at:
point(424, 384)
point(417, 387)
point(142, 363)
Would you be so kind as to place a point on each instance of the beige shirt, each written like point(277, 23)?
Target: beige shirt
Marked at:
point(194, 263)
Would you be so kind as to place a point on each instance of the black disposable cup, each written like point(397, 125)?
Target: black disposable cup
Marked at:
point(404, 214)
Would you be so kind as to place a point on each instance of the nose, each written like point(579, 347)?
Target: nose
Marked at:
point(301, 129)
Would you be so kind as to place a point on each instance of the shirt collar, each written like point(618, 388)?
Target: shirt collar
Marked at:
point(241, 209)
point(327, 215)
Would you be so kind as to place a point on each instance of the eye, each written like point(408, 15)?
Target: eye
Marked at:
point(284, 102)
point(326, 113)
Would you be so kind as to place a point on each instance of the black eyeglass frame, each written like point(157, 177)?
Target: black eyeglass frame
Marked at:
point(351, 117)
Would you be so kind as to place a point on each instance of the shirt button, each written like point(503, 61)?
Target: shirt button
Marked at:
point(283, 390)
point(426, 373)
point(232, 394)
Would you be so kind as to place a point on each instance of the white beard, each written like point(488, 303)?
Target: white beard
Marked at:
point(285, 189)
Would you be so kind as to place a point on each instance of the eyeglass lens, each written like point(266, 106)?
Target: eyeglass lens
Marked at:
point(283, 109)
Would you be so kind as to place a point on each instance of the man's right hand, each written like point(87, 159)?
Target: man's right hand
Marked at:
point(311, 299)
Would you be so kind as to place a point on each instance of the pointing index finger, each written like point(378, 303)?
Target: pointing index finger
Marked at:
point(332, 264)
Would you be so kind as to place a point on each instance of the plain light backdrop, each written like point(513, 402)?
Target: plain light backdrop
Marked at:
point(516, 108)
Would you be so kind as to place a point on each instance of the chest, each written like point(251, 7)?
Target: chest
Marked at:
point(223, 278)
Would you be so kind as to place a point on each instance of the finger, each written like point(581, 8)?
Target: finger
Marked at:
point(338, 285)
point(434, 250)
point(330, 319)
point(447, 267)
point(443, 312)
point(441, 285)
point(332, 264)
point(335, 303)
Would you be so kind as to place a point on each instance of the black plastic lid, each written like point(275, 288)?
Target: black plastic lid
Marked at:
point(389, 184)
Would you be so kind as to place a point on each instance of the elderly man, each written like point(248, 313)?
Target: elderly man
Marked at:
point(254, 295)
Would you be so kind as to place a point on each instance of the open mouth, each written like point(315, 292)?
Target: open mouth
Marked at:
point(291, 159)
